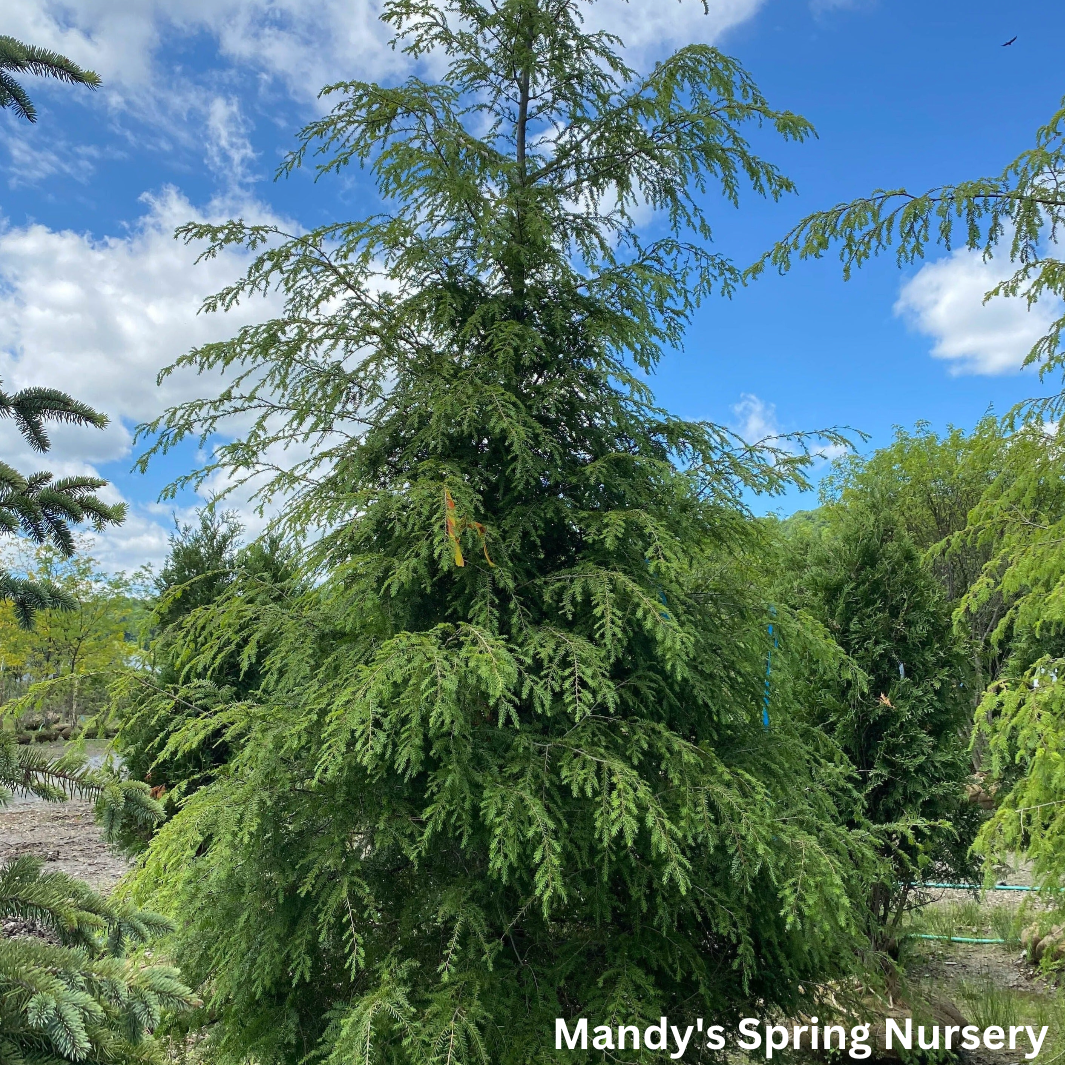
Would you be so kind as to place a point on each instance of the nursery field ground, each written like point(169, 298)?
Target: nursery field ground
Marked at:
point(64, 834)
point(986, 983)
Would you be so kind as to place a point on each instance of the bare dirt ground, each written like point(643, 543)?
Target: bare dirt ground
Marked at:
point(64, 834)
point(66, 837)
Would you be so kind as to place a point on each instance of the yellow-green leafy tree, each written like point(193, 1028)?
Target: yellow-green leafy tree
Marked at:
point(70, 655)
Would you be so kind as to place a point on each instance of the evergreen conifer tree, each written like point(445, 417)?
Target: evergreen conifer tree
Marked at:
point(507, 760)
point(174, 731)
point(904, 721)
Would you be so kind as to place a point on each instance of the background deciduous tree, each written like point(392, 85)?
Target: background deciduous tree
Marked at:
point(69, 657)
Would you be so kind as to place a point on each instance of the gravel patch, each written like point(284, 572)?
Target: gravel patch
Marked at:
point(66, 836)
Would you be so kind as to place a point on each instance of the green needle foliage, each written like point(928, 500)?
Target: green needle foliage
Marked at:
point(42, 507)
point(505, 759)
point(904, 722)
point(932, 483)
point(174, 730)
point(70, 989)
point(19, 58)
point(1021, 719)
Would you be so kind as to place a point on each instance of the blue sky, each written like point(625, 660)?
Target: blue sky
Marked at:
point(203, 97)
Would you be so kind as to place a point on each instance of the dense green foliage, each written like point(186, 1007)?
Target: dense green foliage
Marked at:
point(904, 721)
point(72, 987)
point(517, 713)
point(19, 58)
point(466, 796)
point(931, 484)
point(1021, 718)
point(173, 730)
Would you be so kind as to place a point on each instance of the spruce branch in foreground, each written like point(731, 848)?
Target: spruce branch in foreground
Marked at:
point(72, 988)
point(19, 58)
point(42, 507)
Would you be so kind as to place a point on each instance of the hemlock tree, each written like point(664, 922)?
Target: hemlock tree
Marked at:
point(19, 58)
point(72, 988)
point(1021, 718)
point(42, 507)
point(904, 722)
point(506, 761)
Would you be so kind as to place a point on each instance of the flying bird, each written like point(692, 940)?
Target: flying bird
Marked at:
point(1010, 41)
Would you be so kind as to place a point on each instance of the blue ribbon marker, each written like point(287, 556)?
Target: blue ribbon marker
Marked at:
point(768, 668)
point(664, 614)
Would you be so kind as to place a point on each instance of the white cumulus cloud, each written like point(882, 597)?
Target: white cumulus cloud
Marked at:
point(99, 318)
point(651, 28)
point(756, 420)
point(944, 301)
